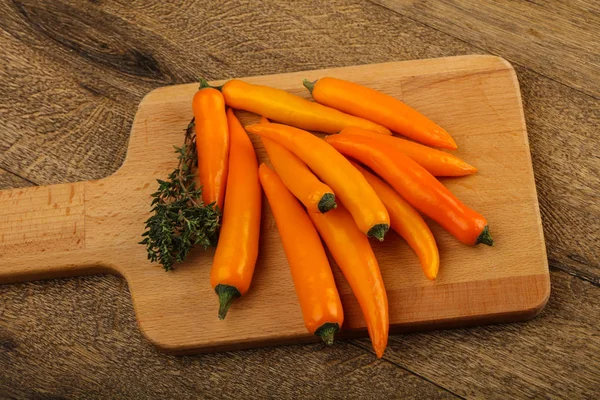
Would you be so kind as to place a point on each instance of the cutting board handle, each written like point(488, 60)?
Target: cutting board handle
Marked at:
point(42, 234)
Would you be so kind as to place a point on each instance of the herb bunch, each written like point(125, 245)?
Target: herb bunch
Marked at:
point(180, 219)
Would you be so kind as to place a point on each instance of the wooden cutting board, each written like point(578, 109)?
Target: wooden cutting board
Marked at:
point(94, 227)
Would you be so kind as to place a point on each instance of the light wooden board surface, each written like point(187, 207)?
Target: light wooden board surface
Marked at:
point(91, 227)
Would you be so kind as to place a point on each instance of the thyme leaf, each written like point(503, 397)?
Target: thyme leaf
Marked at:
point(180, 220)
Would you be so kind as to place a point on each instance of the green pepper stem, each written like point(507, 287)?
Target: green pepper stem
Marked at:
point(204, 84)
point(327, 331)
point(309, 85)
point(227, 295)
point(378, 231)
point(485, 237)
point(327, 203)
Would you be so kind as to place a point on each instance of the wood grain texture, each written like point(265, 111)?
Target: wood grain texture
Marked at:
point(88, 346)
point(553, 356)
point(188, 39)
point(567, 170)
point(557, 39)
point(68, 229)
point(8, 180)
point(97, 62)
point(560, 118)
point(62, 340)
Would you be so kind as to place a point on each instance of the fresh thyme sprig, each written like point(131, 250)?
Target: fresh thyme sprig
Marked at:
point(180, 219)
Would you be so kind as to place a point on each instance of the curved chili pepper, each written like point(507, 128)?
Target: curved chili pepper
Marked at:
point(212, 144)
point(290, 109)
point(437, 162)
point(314, 194)
point(417, 186)
point(319, 298)
point(407, 223)
point(237, 249)
point(352, 252)
point(349, 186)
point(381, 108)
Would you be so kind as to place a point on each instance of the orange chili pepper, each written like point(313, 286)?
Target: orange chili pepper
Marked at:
point(237, 249)
point(349, 186)
point(314, 194)
point(381, 108)
point(437, 162)
point(417, 186)
point(353, 254)
point(212, 143)
point(319, 298)
point(407, 223)
point(290, 109)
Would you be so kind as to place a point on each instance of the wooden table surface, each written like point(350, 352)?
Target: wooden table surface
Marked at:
point(71, 76)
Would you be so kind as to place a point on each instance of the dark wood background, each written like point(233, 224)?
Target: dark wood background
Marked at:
point(71, 76)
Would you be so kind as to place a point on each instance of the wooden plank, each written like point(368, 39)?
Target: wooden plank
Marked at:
point(60, 339)
point(70, 228)
point(553, 356)
point(56, 129)
point(556, 39)
point(563, 129)
point(9, 180)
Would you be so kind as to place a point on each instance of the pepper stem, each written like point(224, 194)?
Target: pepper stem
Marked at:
point(227, 294)
point(378, 231)
point(204, 84)
point(327, 331)
point(327, 203)
point(309, 85)
point(485, 237)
